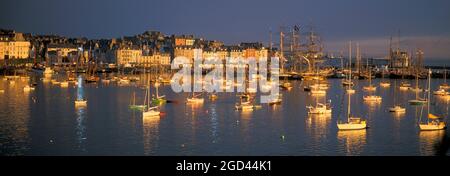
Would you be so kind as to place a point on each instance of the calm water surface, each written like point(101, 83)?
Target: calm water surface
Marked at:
point(46, 122)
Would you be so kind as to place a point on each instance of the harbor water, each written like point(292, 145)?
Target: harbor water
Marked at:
point(45, 121)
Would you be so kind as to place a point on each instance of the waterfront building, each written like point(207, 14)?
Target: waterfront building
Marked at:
point(210, 53)
point(254, 50)
point(135, 56)
point(128, 55)
point(13, 45)
point(184, 51)
point(62, 53)
point(154, 60)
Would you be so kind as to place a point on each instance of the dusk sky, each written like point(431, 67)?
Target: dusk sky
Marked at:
point(424, 24)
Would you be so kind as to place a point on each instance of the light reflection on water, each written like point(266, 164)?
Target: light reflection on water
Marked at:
point(352, 142)
point(46, 122)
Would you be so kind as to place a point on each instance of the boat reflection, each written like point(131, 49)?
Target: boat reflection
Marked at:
point(318, 125)
point(352, 142)
point(150, 126)
point(17, 112)
point(429, 140)
point(214, 119)
point(318, 121)
point(398, 115)
point(81, 129)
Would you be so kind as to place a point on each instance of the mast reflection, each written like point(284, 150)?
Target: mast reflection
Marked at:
point(150, 127)
point(429, 141)
point(352, 141)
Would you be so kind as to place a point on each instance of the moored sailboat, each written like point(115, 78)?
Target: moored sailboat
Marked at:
point(353, 123)
point(433, 122)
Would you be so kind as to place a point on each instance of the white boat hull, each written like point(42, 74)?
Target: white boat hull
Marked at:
point(372, 98)
point(150, 113)
point(432, 126)
point(195, 100)
point(351, 126)
point(385, 84)
point(397, 109)
point(80, 102)
point(370, 88)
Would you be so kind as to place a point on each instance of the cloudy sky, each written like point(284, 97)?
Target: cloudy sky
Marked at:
point(422, 23)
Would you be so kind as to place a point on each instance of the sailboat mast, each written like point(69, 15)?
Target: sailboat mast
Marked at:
point(445, 76)
point(350, 59)
point(149, 93)
point(395, 85)
point(156, 87)
point(429, 90)
point(358, 58)
point(350, 69)
point(348, 108)
point(281, 51)
point(270, 40)
point(417, 86)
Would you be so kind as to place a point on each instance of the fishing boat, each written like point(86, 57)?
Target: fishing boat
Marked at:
point(319, 108)
point(433, 122)
point(418, 100)
point(353, 123)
